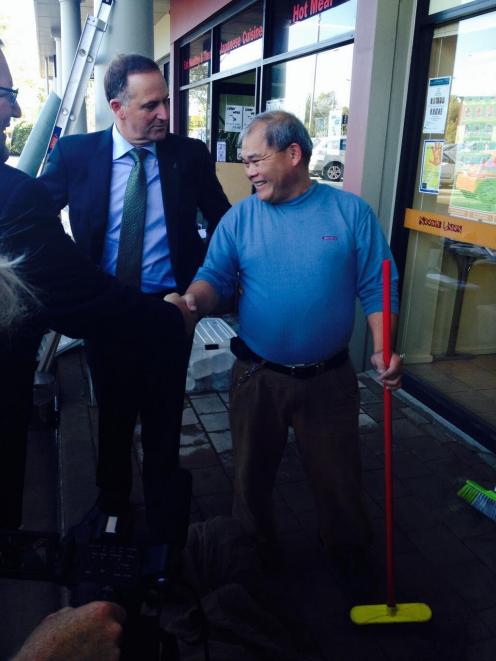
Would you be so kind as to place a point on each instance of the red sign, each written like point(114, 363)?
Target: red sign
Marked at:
point(196, 60)
point(303, 10)
point(246, 37)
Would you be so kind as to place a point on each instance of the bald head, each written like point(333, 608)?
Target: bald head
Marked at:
point(8, 109)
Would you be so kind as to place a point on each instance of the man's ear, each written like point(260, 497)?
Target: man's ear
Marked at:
point(117, 107)
point(295, 153)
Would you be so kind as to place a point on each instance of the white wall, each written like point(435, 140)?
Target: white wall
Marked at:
point(161, 38)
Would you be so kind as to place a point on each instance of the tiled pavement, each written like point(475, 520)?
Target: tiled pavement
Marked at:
point(444, 550)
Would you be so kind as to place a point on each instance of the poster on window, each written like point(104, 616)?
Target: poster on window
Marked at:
point(275, 104)
point(221, 151)
point(430, 174)
point(233, 118)
point(436, 105)
point(248, 115)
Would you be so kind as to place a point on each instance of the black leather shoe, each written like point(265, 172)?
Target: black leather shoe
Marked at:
point(98, 525)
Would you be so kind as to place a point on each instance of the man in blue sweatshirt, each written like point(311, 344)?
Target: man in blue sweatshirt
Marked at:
point(303, 252)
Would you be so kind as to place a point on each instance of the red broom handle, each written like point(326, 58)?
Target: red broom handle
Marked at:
point(388, 434)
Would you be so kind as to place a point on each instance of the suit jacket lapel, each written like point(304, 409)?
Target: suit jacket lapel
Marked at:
point(170, 179)
point(99, 176)
point(100, 173)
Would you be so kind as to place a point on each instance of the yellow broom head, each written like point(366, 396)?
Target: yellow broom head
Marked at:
point(384, 614)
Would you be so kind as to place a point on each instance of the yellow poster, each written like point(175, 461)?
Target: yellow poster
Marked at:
point(430, 175)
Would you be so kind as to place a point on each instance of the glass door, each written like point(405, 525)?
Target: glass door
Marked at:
point(448, 319)
point(233, 108)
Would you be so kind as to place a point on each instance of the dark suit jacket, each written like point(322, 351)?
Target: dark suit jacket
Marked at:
point(78, 173)
point(75, 298)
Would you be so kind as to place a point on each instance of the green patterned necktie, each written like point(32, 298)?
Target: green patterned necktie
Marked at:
point(130, 255)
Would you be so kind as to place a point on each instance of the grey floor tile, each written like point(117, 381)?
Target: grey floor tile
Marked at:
point(485, 650)
point(189, 416)
point(376, 410)
point(484, 547)
point(433, 491)
point(366, 423)
point(207, 404)
point(414, 416)
point(488, 616)
point(224, 395)
point(193, 435)
point(215, 421)
point(221, 440)
point(425, 447)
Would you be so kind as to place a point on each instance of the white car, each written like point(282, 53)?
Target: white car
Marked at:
point(327, 159)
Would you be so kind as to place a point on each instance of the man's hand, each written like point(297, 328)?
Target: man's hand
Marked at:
point(390, 377)
point(190, 314)
point(190, 300)
point(92, 631)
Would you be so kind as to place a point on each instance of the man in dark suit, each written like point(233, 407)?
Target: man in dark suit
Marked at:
point(136, 180)
point(60, 288)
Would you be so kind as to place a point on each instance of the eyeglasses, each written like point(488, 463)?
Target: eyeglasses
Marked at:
point(256, 161)
point(9, 94)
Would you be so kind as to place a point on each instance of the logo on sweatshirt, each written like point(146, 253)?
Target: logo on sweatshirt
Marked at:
point(329, 237)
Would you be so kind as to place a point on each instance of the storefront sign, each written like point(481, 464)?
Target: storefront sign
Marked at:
point(436, 106)
point(246, 37)
point(457, 229)
point(303, 10)
point(196, 60)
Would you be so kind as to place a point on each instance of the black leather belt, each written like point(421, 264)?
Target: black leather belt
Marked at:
point(243, 352)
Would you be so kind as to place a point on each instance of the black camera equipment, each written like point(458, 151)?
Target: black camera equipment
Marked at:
point(139, 575)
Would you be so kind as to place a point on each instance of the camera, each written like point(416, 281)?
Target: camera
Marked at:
point(139, 574)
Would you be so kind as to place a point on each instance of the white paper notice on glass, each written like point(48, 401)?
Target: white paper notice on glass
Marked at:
point(221, 151)
point(248, 115)
point(275, 104)
point(234, 119)
point(436, 105)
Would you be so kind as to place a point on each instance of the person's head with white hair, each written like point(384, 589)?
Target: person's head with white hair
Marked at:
point(14, 294)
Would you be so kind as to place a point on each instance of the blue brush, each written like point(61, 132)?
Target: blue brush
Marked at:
point(480, 498)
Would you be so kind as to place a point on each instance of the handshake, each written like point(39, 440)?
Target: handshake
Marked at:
point(188, 307)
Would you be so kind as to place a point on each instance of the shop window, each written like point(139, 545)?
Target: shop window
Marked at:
point(442, 5)
point(316, 89)
point(448, 320)
point(241, 38)
point(195, 60)
point(236, 102)
point(298, 23)
point(197, 111)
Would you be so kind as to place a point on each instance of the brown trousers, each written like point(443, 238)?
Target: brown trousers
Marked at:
point(323, 410)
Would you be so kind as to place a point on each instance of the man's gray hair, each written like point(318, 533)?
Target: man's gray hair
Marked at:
point(281, 130)
point(13, 293)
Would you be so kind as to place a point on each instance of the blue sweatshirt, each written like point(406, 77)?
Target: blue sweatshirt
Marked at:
point(301, 266)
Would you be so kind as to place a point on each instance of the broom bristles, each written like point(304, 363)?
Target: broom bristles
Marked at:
point(481, 499)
